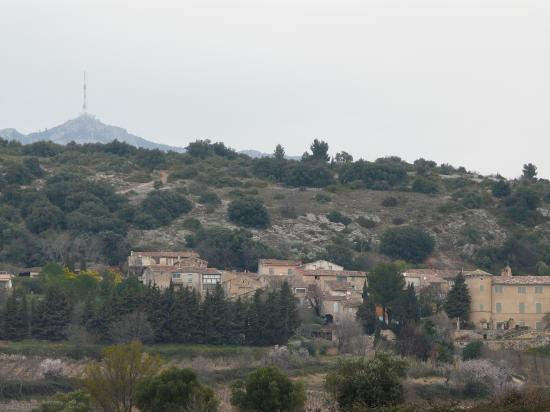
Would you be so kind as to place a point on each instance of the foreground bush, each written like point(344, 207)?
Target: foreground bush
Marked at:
point(175, 390)
point(267, 390)
point(480, 377)
point(360, 384)
point(70, 402)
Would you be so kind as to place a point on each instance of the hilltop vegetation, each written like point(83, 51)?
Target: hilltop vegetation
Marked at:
point(96, 202)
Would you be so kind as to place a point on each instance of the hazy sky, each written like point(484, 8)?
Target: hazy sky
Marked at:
point(465, 82)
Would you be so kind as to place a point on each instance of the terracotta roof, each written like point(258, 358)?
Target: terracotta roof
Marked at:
point(168, 254)
point(278, 262)
point(521, 280)
point(323, 272)
point(5, 276)
point(444, 273)
point(171, 268)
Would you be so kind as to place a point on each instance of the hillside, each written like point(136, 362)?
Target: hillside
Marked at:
point(95, 202)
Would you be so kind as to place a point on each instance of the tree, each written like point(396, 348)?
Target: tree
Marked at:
point(134, 326)
point(16, 321)
point(407, 243)
point(288, 312)
point(175, 390)
point(414, 341)
point(112, 383)
point(385, 286)
point(248, 211)
point(529, 171)
point(53, 314)
point(361, 384)
point(267, 389)
point(501, 188)
point(407, 310)
point(78, 401)
point(458, 300)
point(472, 350)
point(319, 151)
point(279, 152)
point(343, 158)
point(366, 313)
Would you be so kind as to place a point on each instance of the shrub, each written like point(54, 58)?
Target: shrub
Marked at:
point(175, 390)
point(367, 383)
point(479, 377)
point(209, 198)
point(161, 207)
point(337, 217)
point(473, 201)
point(366, 222)
point(397, 221)
point(501, 189)
point(424, 185)
point(409, 244)
point(389, 201)
point(192, 224)
point(268, 390)
point(472, 350)
point(78, 401)
point(248, 211)
point(322, 198)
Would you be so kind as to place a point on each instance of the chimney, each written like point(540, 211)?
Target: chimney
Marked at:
point(506, 272)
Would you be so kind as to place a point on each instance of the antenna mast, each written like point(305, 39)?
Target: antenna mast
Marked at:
point(84, 107)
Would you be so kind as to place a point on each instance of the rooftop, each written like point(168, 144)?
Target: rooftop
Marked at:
point(279, 262)
point(521, 280)
point(167, 254)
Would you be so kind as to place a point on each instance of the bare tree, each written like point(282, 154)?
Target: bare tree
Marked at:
point(131, 327)
point(315, 298)
point(350, 336)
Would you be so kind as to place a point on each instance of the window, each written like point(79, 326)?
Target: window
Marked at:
point(498, 307)
point(539, 325)
point(538, 307)
point(211, 279)
point(176, 275)
point(335, 307)
point(522, 307)
point(498, 288)
point(341, 278)
point(482, 288)
point(481, 307)
point(189, 278)
point(300, 290)
point(539, 289)
point(451, 283)
point(522, 289)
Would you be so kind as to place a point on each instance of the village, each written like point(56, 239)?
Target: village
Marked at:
point(501, 305)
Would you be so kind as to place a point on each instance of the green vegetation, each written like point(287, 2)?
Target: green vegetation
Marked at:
point(362, 384)
point(408, 243)
point(472, 350)
point(249, 212)
point(268, 389)
point(457, 304)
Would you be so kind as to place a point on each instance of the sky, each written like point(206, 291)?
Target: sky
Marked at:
point(465, 82)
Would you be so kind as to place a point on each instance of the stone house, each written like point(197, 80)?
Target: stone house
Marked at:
point(138, 261)
point(240, 284)
point(321, 265)
point(277, 267)
point(5, 280)
point(200, 279)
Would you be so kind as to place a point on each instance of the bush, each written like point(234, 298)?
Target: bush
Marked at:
point(472, 350)
point(501, 189)
point(370, 383)
point(424, 185)
point(209, 198)
point(337, 217)
point(268, 390)
point(409, 244)
point(322, 198)
point(175, 390)
point(389, 201)
point(366, 222)
point(480, 377)
point(248, 211)
point(161, 207)
point(70, 402)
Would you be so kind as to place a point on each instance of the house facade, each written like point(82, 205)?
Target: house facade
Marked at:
point(5, 280)
point(277, 267)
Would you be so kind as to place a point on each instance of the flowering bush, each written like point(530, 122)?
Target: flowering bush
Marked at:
point(51, 368)
point(481, 377)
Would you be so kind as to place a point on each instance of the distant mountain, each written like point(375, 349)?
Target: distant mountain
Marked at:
point(85, 129)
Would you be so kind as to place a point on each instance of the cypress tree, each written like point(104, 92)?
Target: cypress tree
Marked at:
point(366, 313)
point(154, 307)
point(289, 312)
point(53, 314)
point(16, 324)
point(168, 304)
point(255, 320)
point(458, 300)
point(407, 309)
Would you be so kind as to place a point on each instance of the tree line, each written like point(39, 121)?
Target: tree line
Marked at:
point(107, 309)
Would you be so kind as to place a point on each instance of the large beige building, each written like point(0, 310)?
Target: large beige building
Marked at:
point(277, 267)
point(498, 302)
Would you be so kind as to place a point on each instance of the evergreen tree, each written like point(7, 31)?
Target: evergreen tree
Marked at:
point(216, 317)
point(168, 304)
point(385, 286)
point(458, 300)
point(289, 312)
point(239, 320)
point(16, 324)
point(254, 329)
point(279, 153)
point(154, 312)
point(53, 314)
point(407, 309)
point(366, 313)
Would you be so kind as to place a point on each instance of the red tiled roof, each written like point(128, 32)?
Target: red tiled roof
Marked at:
point(168, 254)
point(521, 280)
point(278, 262)
point(323, 272)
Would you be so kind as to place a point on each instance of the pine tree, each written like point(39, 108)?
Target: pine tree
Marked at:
point(16, 323)
point(54, 313)
point(168, 303)
point(279, 152)
point(154, 312)
point(254, 329)
point(216, 317)
point(366, 313)
point(289, 312)
point(458, 300)
point(407, 309)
